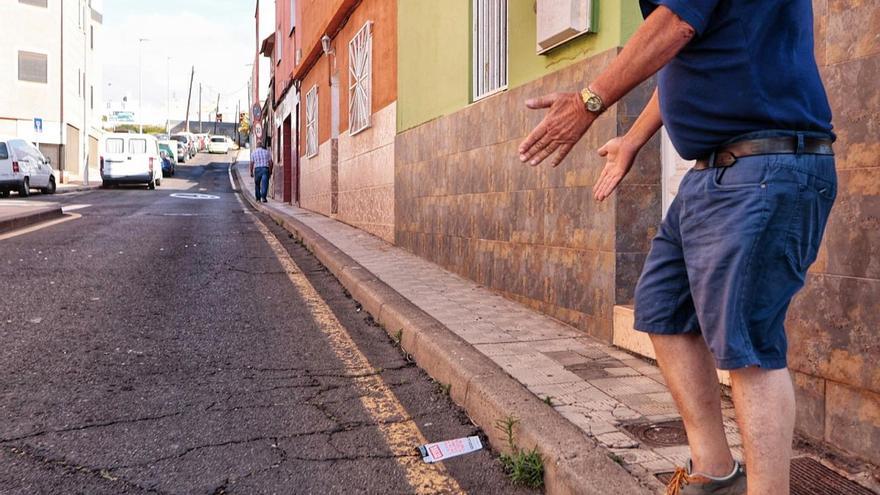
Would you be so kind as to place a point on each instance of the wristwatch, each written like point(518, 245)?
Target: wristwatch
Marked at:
point(592, 102)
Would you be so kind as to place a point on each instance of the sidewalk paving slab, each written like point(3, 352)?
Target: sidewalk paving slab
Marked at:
point(16, 214)
point(503, 359)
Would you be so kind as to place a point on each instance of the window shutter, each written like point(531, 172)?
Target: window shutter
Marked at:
point(33, 67)
point(312, 122)
point(489, 47)
point(360, 75)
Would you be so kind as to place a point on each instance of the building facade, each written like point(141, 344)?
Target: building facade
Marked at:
point(450, 80)
point(52, 96)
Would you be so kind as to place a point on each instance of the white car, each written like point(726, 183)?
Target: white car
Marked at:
point(218, 144)
point(23, 167)
point(130, 159)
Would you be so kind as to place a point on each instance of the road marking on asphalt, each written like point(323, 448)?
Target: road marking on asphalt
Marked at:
point(193, 196)
point(67, 208)
point(378, 400)
point(33, 228)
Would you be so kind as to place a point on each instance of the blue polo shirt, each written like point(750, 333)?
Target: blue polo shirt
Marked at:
point(750, 67)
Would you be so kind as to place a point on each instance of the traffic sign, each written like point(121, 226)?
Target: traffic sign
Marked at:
point(257, 111)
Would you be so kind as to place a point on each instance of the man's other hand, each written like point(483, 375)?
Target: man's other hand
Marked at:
point(619, 157)
point(562, 127)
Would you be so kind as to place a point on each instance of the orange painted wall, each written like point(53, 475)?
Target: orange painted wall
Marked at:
point(289, 43)
point(383, 14)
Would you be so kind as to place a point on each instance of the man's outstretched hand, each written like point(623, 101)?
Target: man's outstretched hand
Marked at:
point(562, 127)
point(619, 157)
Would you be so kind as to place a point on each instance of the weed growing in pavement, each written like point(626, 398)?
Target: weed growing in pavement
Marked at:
point(522, 467)
point(398, 339)
point(444, 388)
point(548, 400)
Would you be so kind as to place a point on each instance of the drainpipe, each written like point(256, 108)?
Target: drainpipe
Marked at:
point(62, 165)
point(297, 84)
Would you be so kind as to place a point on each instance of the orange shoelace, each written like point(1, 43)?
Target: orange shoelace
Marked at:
point(679, 479)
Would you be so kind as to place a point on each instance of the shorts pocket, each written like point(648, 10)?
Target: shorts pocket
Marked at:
point(815, 198)
point(748, 172)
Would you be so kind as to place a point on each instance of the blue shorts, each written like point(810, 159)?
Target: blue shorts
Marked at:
point(732, 251)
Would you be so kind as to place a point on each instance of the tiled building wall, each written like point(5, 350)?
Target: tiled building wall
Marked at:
point(366, 175)
point(834, 349)
point(316, 179)
point(463, 200)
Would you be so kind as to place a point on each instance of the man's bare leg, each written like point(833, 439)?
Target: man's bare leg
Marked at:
point(764, 401)
point(689, 370)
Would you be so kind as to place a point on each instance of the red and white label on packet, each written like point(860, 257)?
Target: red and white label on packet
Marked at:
point(439, 451)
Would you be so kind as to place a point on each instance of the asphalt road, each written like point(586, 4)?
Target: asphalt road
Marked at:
point(158, 345)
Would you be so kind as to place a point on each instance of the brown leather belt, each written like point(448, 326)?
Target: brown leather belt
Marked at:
point(727, 155)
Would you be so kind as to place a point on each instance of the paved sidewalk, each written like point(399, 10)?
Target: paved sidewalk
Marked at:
point(595, 386)
point(15, 214)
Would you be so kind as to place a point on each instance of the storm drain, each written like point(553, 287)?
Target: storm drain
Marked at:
point(664, 434)
point(810, 477)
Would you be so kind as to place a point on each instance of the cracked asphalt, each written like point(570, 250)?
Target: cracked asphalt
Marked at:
point(156, 345)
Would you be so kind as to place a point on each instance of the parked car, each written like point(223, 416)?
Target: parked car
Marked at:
point(218, 144)
point(188, 140)
point(23, 167)
point(181, 152)
point(171, 147)
point(131, 159)
point(168, 153)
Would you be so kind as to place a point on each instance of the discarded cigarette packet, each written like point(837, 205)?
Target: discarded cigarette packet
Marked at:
point(440, 451)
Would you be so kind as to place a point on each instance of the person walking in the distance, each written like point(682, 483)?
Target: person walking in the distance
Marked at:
point(261, 169)
point(739, 92)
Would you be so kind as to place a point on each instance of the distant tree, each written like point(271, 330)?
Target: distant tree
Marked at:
point(148, 129)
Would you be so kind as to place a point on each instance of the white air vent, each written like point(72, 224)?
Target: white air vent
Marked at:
point(562, 20)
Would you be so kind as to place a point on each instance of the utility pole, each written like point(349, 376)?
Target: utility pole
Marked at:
point(238, 125)
point(189, 95)
point(200, 108)
point(167, 95)
point(140, 88)
point(216, 113)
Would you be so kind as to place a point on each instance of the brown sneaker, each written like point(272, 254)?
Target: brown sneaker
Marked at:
point(686, 482)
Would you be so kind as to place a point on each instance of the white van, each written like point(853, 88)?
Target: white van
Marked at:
point(23, 167)
point(130, 159)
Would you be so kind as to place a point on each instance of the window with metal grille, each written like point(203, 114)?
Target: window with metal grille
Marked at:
point(312, 122)
point(137, 146)
point(33, 67)
point(35, 3)
point(360, 79)
point(489, 46)
point(114, 145)
point(292, 15)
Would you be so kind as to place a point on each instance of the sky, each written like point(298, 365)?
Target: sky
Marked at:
point(215, 36)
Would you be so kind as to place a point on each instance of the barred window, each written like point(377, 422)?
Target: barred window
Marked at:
point(489, 47)
point(312, 122)
point(360, 75)
point(33, 67)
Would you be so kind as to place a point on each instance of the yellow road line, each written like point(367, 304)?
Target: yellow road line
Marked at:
point(401, 433)
point(43, 225)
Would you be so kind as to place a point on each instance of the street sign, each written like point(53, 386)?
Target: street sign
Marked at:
point(257, 111)
point(38, 125)
point(258, 130)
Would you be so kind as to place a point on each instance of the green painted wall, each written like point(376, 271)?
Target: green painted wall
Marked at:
point(434, 57)
point(433, 61)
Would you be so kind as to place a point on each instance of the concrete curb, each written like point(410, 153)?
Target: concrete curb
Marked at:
point(68, 190)
point(573, 463)
point(34, 215)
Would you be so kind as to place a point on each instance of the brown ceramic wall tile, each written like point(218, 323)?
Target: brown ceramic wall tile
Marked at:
point(855, 101)
point(810, 397)
point(832, 330)
point(851, 420)
point(638, 216)
point(820, 29)
point(852, 30)
point(627, 272)
point(852, 236)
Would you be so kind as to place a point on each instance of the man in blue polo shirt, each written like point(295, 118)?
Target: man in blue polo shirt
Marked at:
point(739, 92)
